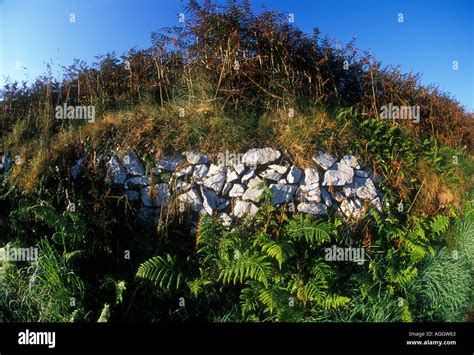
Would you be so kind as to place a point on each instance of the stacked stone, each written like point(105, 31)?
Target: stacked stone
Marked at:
point(234, 191)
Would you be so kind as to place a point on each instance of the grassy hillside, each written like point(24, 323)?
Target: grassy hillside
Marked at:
point(230, 80)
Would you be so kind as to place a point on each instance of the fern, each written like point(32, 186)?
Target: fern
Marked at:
point(161, 272)
point(439, 224)
point(253, 267)
point(313, 232)
point(280, 251)
point(333, 301)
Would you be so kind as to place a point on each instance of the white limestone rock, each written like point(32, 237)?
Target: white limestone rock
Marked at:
point(260, 156)
point(216, 178)
point(340, 174)
point(247, 176)
point(137, 181)
point(282, 193)
point(312, 208)
point(239, 168)
point(324, 160)
point(133, 165)
point(254, 190)
point(210, 200)
point(76, 168)
point(200, 172)
point(237, 190)
point(227, 187)
point(311, 176)
point(294, 175)
point(280, 169)
point(351, 161)
point(156, 197)
point(244, 209)
point(326, 197)
point(188, 170)
point(232, 176)
point(191, 199)
point(170, 163)
point(271, 174)
point(196, 158)
point(225, 219)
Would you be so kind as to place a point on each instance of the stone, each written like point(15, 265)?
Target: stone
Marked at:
point(116, 172)
point(232, 176)
point(260, 156)
point(132, 195)
point(282, 193)
point(270, 174)
point(361, 173)
point(361, 187)
point(312, 208)
point(158, 198)
point(377, 204)
point(324, 160)
point(200, 172)
point(352, 209)
point(250, 174)
point(133, 165)
point(192, 199)
point(223, 204)
point(216, 169)
point(311, 176)
point(119, 178)
point(312, 195)
point(216, 181)
point(161, 194)
point(76, 168)
point(351, 161)
point(188, 170)
point(210, 200)
point(309, 187)
point(237, 190)
point(254, 190)
point(196, 158)
point(226, 188)
point(182, 186)
point(326, 197)
point(137, 181)
point(294, 175)
point(239, 168)
point(225, 219)
point(340, 174)
point(243, 209)
point(280, 169)
point(170, 163)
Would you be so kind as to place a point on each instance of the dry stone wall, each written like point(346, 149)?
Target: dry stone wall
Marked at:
point(233, 189)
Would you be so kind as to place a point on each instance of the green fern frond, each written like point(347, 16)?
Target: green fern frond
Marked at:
point(253, 267)
point(162, 272)
point(314, 232)
point(439, 224)
point(279, 251)
point(334, 301)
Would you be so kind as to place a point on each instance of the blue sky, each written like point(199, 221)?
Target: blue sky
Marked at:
point(433, 34)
